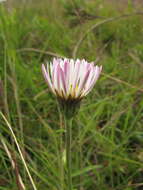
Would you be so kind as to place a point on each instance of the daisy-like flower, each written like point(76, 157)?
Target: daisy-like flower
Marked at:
point(70, 80)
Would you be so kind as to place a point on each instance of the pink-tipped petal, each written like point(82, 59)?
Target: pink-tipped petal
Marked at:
point(94, 79)
point(62, 81)
point(76, 73)
point(71, 79)
point(47, 76)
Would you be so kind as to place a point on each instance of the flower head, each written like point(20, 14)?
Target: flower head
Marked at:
point(69, 79)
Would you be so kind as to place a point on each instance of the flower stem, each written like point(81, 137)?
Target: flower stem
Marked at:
point(61, 164)
point(68, 124)
point(61, 158)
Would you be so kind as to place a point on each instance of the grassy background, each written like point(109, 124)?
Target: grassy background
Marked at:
point(107, 151)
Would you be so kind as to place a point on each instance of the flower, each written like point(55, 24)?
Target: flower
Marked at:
point(71, 79)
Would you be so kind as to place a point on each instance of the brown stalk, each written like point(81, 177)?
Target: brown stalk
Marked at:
point(40, 51)
point(14, 164)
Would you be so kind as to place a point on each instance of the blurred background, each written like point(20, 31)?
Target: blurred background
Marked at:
point(108, 130)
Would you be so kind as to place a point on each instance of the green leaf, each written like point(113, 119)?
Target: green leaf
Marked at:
point(85, 170)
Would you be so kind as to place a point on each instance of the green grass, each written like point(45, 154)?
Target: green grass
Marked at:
point(107, 151)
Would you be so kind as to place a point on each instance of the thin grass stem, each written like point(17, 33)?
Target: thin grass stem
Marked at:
point(20, 152)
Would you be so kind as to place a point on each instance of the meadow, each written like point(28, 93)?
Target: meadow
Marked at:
point(107, 132)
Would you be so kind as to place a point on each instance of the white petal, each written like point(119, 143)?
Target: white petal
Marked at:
point(47, 77)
